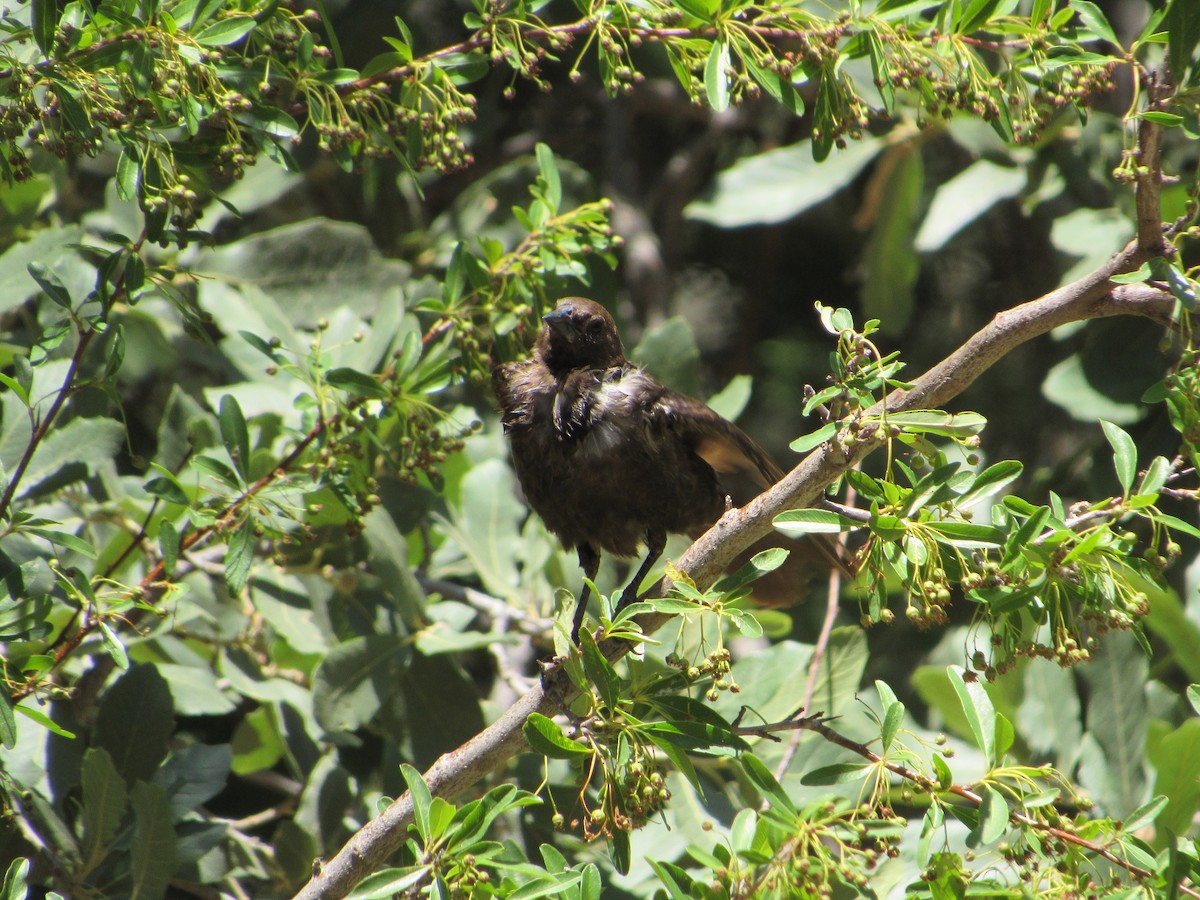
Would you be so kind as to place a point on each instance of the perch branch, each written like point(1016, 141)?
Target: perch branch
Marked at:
point(1093, 296)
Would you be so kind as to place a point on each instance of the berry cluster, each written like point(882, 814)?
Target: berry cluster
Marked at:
point(717, 666)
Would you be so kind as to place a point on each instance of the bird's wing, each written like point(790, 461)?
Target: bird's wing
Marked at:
point(575, 405)
point(609, 405)
point(517, 386)
point(717, 441)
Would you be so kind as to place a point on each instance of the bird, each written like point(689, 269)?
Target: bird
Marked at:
point(609, 457)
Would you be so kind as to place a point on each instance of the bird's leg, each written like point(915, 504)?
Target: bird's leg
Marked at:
point(589, 561)
point(656, 540)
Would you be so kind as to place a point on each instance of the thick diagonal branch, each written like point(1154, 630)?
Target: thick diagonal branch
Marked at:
point(1094, 296)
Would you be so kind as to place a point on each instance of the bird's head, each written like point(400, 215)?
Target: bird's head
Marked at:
point(579, 333)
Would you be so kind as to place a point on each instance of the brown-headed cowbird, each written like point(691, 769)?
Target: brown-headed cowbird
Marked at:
point(608, 456)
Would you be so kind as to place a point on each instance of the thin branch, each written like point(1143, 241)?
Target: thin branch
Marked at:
point(43, 427)
point(832, 596)
point(493, 607)
point(1148, 175)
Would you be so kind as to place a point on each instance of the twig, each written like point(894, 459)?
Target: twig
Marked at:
point(43, 427)
point(832, 595)
point(485, 603)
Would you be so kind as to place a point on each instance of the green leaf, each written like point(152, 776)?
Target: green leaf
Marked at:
point(966, 534)
point(71, 542)
point(153, 849)
point(964, 198)
point(892, 263)
point(168, 543)
point(1124, 454)
point(234, 434)
point(936, 421)
point(979, 712)
point(892, 717)
point(486, 525)
point(1005, 735)
point(113, 646)
point(993, 816)
point(678, 757)
point(389, 883)
point(44, 15)
point(1182, 21)
point(599, 671)
point(225, 31)
point(421, 797)
point(83, 442)
point(8, 722)
point(36, 715)
point(1170, 120)
point(760, 564)
point(778, 85)
point(746, 623)
point(16, 387)
point(549, 172)
point(1177, 524)
point(1040, 799)
point(135, 719)
point(50, 284)
point(1145, 814)
point(796, 522)
point(838, 773)
point(128, 175)
point(992, 479)
point(194, 775)
point(1176, 760)
point(104, 800)
point(976, 15)
point(814, 438)
point(546, 738)
point(701, 9)
point(218, 470)
point(778, 185)
point(1095, 22)
point(881, 71)
point(931, 827)
point(239, 557)
point(716, 79)
point(15, 886)
point(1155, 478)
point(356, 383)
point(767, 784)
point(1113, 759)
point(356, 678)
point(944, 776)
point(1048, 717)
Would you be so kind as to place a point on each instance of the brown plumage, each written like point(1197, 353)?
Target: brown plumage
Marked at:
point(608, 456)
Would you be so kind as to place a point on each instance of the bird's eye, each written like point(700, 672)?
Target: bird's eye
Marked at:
point(594, 326)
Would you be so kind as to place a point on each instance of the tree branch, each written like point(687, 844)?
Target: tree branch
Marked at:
point(1093, 296)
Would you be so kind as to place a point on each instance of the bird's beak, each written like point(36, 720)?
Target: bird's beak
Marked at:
point(560, 320)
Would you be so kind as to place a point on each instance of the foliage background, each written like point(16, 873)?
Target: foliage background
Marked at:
point(251, 722)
